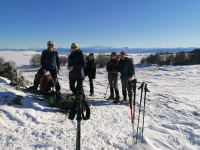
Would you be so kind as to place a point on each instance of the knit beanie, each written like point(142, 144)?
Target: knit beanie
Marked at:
point(123, 52)
point(114, 53)
point(91, 54)
point(74, 44)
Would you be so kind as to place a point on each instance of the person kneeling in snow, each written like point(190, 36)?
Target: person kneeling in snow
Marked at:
point(50, 62)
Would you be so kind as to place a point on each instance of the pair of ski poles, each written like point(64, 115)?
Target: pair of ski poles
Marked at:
point(142, 87)
point(132, 88)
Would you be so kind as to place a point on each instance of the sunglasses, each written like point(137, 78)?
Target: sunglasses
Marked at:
point(122, 54)
point(51, 44)
point(73, 47)
point(113, 55)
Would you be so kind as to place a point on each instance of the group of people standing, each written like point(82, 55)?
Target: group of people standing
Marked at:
point(79, 67)
point(125, 67)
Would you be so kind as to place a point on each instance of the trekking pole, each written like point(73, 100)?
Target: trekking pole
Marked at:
point(79, 110)
point(132, 87)
point(106, 90)
point(107, 86)
point(145, 90)
point(141, 87)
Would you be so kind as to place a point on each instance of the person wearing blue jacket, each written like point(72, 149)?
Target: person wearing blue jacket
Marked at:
point(76, 65)
point(50, 62)
point(127, 71)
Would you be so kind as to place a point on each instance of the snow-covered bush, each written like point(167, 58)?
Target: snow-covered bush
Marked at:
point(2, 60)
point(180, 58)
point(10, 64)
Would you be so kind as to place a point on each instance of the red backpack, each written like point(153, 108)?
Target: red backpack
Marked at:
point(46, 84)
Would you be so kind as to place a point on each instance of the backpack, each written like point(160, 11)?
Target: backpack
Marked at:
point(62, 100)
point(46, 84)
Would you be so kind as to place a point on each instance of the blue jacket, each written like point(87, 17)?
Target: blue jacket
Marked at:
point(77, 60)
point(126, 68)
point(50, 60)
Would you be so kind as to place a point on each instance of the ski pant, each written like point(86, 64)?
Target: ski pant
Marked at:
point(113, 81)
point(40, 73)
point(79, 85)
point(125, 86)
point(91, 85)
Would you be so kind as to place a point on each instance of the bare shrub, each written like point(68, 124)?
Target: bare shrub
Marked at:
point(181, 59)
point(194, 57)
point(11, 64)
point(153, 58)
point(63, 60)
point(158, 58)
point(2, 60)
point(35, 60)
point(102, 59)
point(169, 58)
point(143, 60)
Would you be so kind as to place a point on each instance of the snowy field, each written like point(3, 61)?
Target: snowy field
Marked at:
point(172, 119)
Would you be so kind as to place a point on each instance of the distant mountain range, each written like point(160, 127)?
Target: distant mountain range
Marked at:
point(101, 49)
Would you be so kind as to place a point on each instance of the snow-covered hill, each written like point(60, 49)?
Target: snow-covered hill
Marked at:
point(172, 119)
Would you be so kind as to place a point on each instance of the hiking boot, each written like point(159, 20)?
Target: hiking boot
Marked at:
point(92, 94)
point(124, 100)
point(116, 100)
point(33, 88)
point(111, 97)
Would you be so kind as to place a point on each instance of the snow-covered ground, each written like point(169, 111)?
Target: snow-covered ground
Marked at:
point(172, 119)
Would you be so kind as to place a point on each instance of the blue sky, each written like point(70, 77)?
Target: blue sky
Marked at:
point(116, 23)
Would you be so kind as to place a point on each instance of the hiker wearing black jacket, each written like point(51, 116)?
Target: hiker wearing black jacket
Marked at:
point(90, 71)
point(113, 75)
point(127, 71)
point(50, 62)
point(76, 65)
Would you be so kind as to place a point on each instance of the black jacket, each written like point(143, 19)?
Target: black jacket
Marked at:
point(77, 60)
point(50, 60)
point(126, 68)
point(90, 69)
point(113, 67)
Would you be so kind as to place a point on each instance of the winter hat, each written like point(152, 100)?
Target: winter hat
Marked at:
point(123, 52)
point(91, 54)
point(50, 42)
point(114, 53)
point(74, 44)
